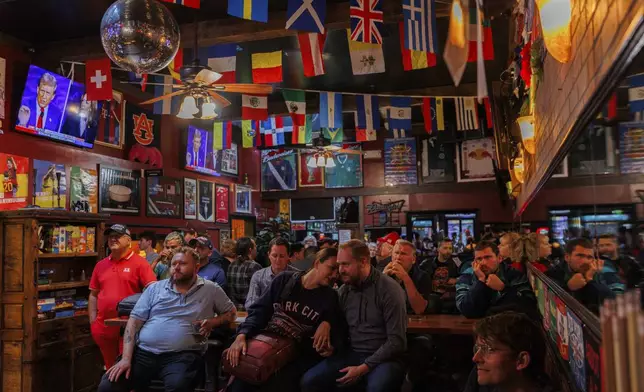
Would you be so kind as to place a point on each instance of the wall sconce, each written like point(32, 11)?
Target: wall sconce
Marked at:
point(555, 22)
point(527, 133)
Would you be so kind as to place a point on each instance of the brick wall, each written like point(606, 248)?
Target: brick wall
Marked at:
point(599, 29)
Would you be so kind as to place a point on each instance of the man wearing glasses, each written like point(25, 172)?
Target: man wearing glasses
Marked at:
point(491, 286)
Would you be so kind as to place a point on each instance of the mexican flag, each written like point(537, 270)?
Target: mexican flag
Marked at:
point(486, 37)
point(296, 105)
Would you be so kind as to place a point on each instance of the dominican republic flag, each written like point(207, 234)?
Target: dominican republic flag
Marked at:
point(466, 116)
point(273, 131)
point(636, 93)
point(110, 122)
point(169, 105)
point(330, 110)
point(222, 135)
point(433, 114)
point(366, 21)
point(488, 44)
point(186, 3)
point(251, 133)
point(414, 59)
point(400, 116)
point(420, 25)
point(98, 79)
point(296, 104)
point(256, 10)
point(254, 107)
point(306, 15)
point(311, 46)
point(223, 59)
point(367, 112)
point(267, 67)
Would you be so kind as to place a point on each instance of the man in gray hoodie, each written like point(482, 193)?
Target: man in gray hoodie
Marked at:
point(375, 311)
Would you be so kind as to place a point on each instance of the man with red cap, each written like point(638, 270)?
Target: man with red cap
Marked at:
point(385, 249)
point(119, 275)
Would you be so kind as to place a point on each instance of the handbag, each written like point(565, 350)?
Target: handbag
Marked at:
point(125, 306)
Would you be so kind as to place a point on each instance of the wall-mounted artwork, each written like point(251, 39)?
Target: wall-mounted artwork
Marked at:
point(205, 198)
point(164, 197)
point(222, 197)
point(189, 198)
point(400, 162)
point(474, 161)
point(309, 173)
point(346, 170)
point(50, 184)
point(110, 122)
point(436, 161)
point(14, 177)
point(279, 170)
point(229, 160)
point(119, 191)
point(83, 190)
point(243, 201)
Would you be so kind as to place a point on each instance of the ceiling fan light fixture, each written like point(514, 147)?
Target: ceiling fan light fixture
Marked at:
point(330, 163)
point(188, 108)
point(208, 111)
point(312, 162)
point(321, 161)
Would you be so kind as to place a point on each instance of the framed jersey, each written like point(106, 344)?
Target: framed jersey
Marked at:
point(345, 171)
point(279, 170)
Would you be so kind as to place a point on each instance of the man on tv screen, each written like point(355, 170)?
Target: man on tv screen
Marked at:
point(194, 156)
point(42, 115)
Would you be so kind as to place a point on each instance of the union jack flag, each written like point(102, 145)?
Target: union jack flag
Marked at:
point(366, 21)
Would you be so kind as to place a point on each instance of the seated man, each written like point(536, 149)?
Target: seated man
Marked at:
point(585, 277)
point(374, 307)
point(297, 252)
point(210, 270)
point(509, 355)
point(166, 319)
point(631, 273)
point(490, 286)
point(444, 270)
point(161, 266)
point(385, 247)
point(261, 280)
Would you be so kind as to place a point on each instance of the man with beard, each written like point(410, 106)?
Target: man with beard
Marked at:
point(444, 270)
point(490, 286)
point(121, 274)
point(375, 311)
point(161, 266)
point(168, 327)
point(628, 269)
point(385, 248)
point(210, 270)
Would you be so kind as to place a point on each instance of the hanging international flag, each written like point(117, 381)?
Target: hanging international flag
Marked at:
point(365, 58)
point(433, 114)
point(168, 105)
point(636, 93)
point(366, 21)
point(330, 110)
point(273, 131)
point(488, 44)
point(335, 135)
point(367, 112)
point(303, 134)
point(141, 79)
point(458, 33)
point(364, 135)
point(311, 45)
point(254, 107)
point(222, 135)
point(466, 116)
point(400, 116)
point(414, 59)
point(267, 67)
point(306, 15)
point(256, 10)
point(175, 65)
point(185, 3)
point(250, 133)
point(489, 118)
point(296, 104)
point(98, 79)
point(223, 60)
point(420, 25)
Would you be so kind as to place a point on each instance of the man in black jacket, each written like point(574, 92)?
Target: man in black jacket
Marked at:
point(627, 268)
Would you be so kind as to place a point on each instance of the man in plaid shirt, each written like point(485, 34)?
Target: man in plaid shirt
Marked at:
point(241, 271)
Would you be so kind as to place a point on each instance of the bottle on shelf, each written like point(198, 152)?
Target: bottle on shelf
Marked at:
point(83, 276)
point(71, 275)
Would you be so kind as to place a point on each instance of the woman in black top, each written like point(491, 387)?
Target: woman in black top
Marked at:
point(299, 305)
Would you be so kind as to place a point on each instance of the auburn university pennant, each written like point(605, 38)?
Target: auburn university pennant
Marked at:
point(143, 135)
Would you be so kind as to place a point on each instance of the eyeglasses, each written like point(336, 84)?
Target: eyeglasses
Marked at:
point(484, 349)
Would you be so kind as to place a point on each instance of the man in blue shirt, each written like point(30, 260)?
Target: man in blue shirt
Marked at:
point(261, 280)
point(172, 318)
point(210, 270)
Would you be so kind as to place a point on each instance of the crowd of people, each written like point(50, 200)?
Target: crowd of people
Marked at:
point(345, 307)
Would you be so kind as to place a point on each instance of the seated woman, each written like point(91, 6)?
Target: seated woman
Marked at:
point(297, 305)
point(509, 355)
point(530, 248)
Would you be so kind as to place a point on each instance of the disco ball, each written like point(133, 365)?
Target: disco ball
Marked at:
point(140, 36)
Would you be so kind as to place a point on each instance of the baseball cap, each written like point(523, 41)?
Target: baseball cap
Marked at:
point(390, 238)
point(118, 229)
point(200, 241)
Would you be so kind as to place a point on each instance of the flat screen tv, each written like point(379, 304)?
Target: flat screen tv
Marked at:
point(57, 108)
point(201, 157)
point(312, 209)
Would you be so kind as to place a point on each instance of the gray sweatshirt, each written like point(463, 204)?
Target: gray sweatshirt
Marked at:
point(376, 314)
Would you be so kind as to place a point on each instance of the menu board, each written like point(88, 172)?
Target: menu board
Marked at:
point(400, 162)
point(631, 146)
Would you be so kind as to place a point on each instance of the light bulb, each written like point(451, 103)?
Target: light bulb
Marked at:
point(321, 161)
point(208, 111)
point(330, 163)
point(526, 123)
point(312, 163)
point(188, 108)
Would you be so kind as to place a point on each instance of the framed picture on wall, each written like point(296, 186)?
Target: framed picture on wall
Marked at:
point(243, 200)
point(164, 197)
point(309, 173)
point(562, 169)
point(50, 184)
point(189, 198)
point(119, 191)
point(400, 162)
point(222, 203)
point(14, 180)
point(474, 161)
point(110, 132)
point(205, 201)
point(279, 170)
point(83, 190)
point(229, 160)
point(436, 161)
point(224, 234)
point(346, 169)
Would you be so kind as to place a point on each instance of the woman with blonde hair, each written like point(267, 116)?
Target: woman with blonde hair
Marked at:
point(505, 245)
point(528, 249)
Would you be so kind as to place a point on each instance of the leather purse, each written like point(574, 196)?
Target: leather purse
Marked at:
point(125, 306)
point(266, 353)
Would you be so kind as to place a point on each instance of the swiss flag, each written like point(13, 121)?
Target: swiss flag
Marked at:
point(98, 79)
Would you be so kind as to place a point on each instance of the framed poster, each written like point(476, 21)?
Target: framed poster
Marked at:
point(631, 146)
point(436, 161)
point(143, 135)
point(576, 350)
point(110, 132)
point(83, 190)
point(474, 161)
point(346, 170)
point(189, 198)
point(278, 170)
point(205, 197)
point(561, 170)
point(51, 184)
point(119, 191)
point(224, 234)
point(309, 174)
point(164, 197)
point(229, 160)
point(400, 162)
point(594, 152)
point(243, 200)
point(3, 73)
point(14, 176)
point(221, 203)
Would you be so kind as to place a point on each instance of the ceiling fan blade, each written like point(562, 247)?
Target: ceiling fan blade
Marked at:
point(157, 99)
point(153, 84)
point(221, 101)
point(244, 88)
point(207, 77)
